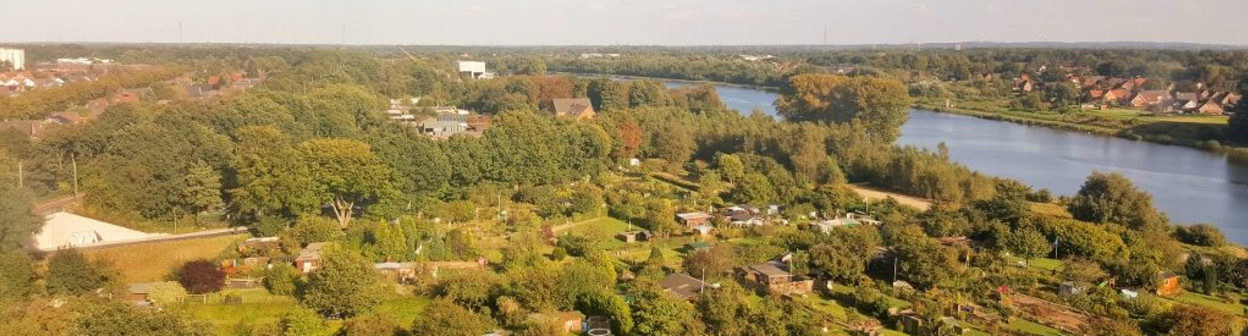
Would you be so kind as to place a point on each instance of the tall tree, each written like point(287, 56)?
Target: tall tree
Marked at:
point(1112, 198)
point(445, 318)
point(201, 190)
point(270, 176)
point(18, 222)
point(346, 174)
point(345, 285)
point(656, 312)
point(71, 273)
point(878, 104)
point(17, 276)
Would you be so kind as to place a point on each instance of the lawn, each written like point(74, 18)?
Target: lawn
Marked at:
point(829, 307)
point(154, 261)
point(603, 230)
point(1033, 328)
point(1206, 301)
point(1197, 119)
point(260, 307)
point(1045, 264)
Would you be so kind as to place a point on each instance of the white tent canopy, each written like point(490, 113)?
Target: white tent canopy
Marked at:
point(64, 230)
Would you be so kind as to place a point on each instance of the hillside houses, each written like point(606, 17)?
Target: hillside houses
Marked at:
point(445, 121)
point(1101, 92)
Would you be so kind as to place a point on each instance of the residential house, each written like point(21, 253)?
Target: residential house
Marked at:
point(1024, 85)
point(634, 236)
point(683, 286)
point(1117, 96)
point(578, 108)
point(743, 216)
point(1210, 107)
point(773, 276)
point(442, 128)
point(399, 272)
point(849, 220)
point(1096, 94)
point(1168, 284)
point(692, 220)
point(1147, 98)
point(309, 258)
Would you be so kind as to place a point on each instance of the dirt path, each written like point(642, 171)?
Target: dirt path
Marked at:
point(569, 226)
point(877, 194)
point(56, 204)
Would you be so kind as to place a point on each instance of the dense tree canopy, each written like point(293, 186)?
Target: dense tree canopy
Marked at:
point(880, 105)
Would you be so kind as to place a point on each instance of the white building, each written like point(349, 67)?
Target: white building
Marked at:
point(475, 68)
point(17, 57)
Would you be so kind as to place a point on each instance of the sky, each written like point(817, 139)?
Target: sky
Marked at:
point(622, 22)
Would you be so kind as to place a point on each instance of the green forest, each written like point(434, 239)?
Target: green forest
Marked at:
point(516, 228)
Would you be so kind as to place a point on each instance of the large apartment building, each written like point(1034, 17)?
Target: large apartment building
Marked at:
point(16, 57)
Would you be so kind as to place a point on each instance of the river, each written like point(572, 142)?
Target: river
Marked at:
point(1191, 186)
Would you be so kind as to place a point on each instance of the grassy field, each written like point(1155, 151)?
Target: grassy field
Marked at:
point(603, 230)
point(1033, 328)
point(1206, 301)
point(153, 261)
point(260, 307)
point(1045, 264)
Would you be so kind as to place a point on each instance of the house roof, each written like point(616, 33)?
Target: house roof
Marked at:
point(770, 269)
point(682, 285)
point(693, 215)
point(313, 251)
point(573, 106)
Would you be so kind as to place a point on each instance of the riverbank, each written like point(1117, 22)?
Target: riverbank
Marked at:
point(689, 81)
point(1185, 131)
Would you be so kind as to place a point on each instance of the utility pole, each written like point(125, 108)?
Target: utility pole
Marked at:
point(894, 269)
point(74, 161)
point(20, 177)
point(702, 287)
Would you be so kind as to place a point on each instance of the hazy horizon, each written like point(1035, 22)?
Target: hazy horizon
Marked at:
point(623, 22)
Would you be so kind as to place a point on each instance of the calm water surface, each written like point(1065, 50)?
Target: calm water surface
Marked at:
point(1191, 186)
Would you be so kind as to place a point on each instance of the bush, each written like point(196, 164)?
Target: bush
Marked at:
point(1201, 234)
point(371, 325)
point(558, 254)
point(70, 273)
point(269, 227)
point(166, 293)
point(201, 276)
point(281, 279)
point(302, 321)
